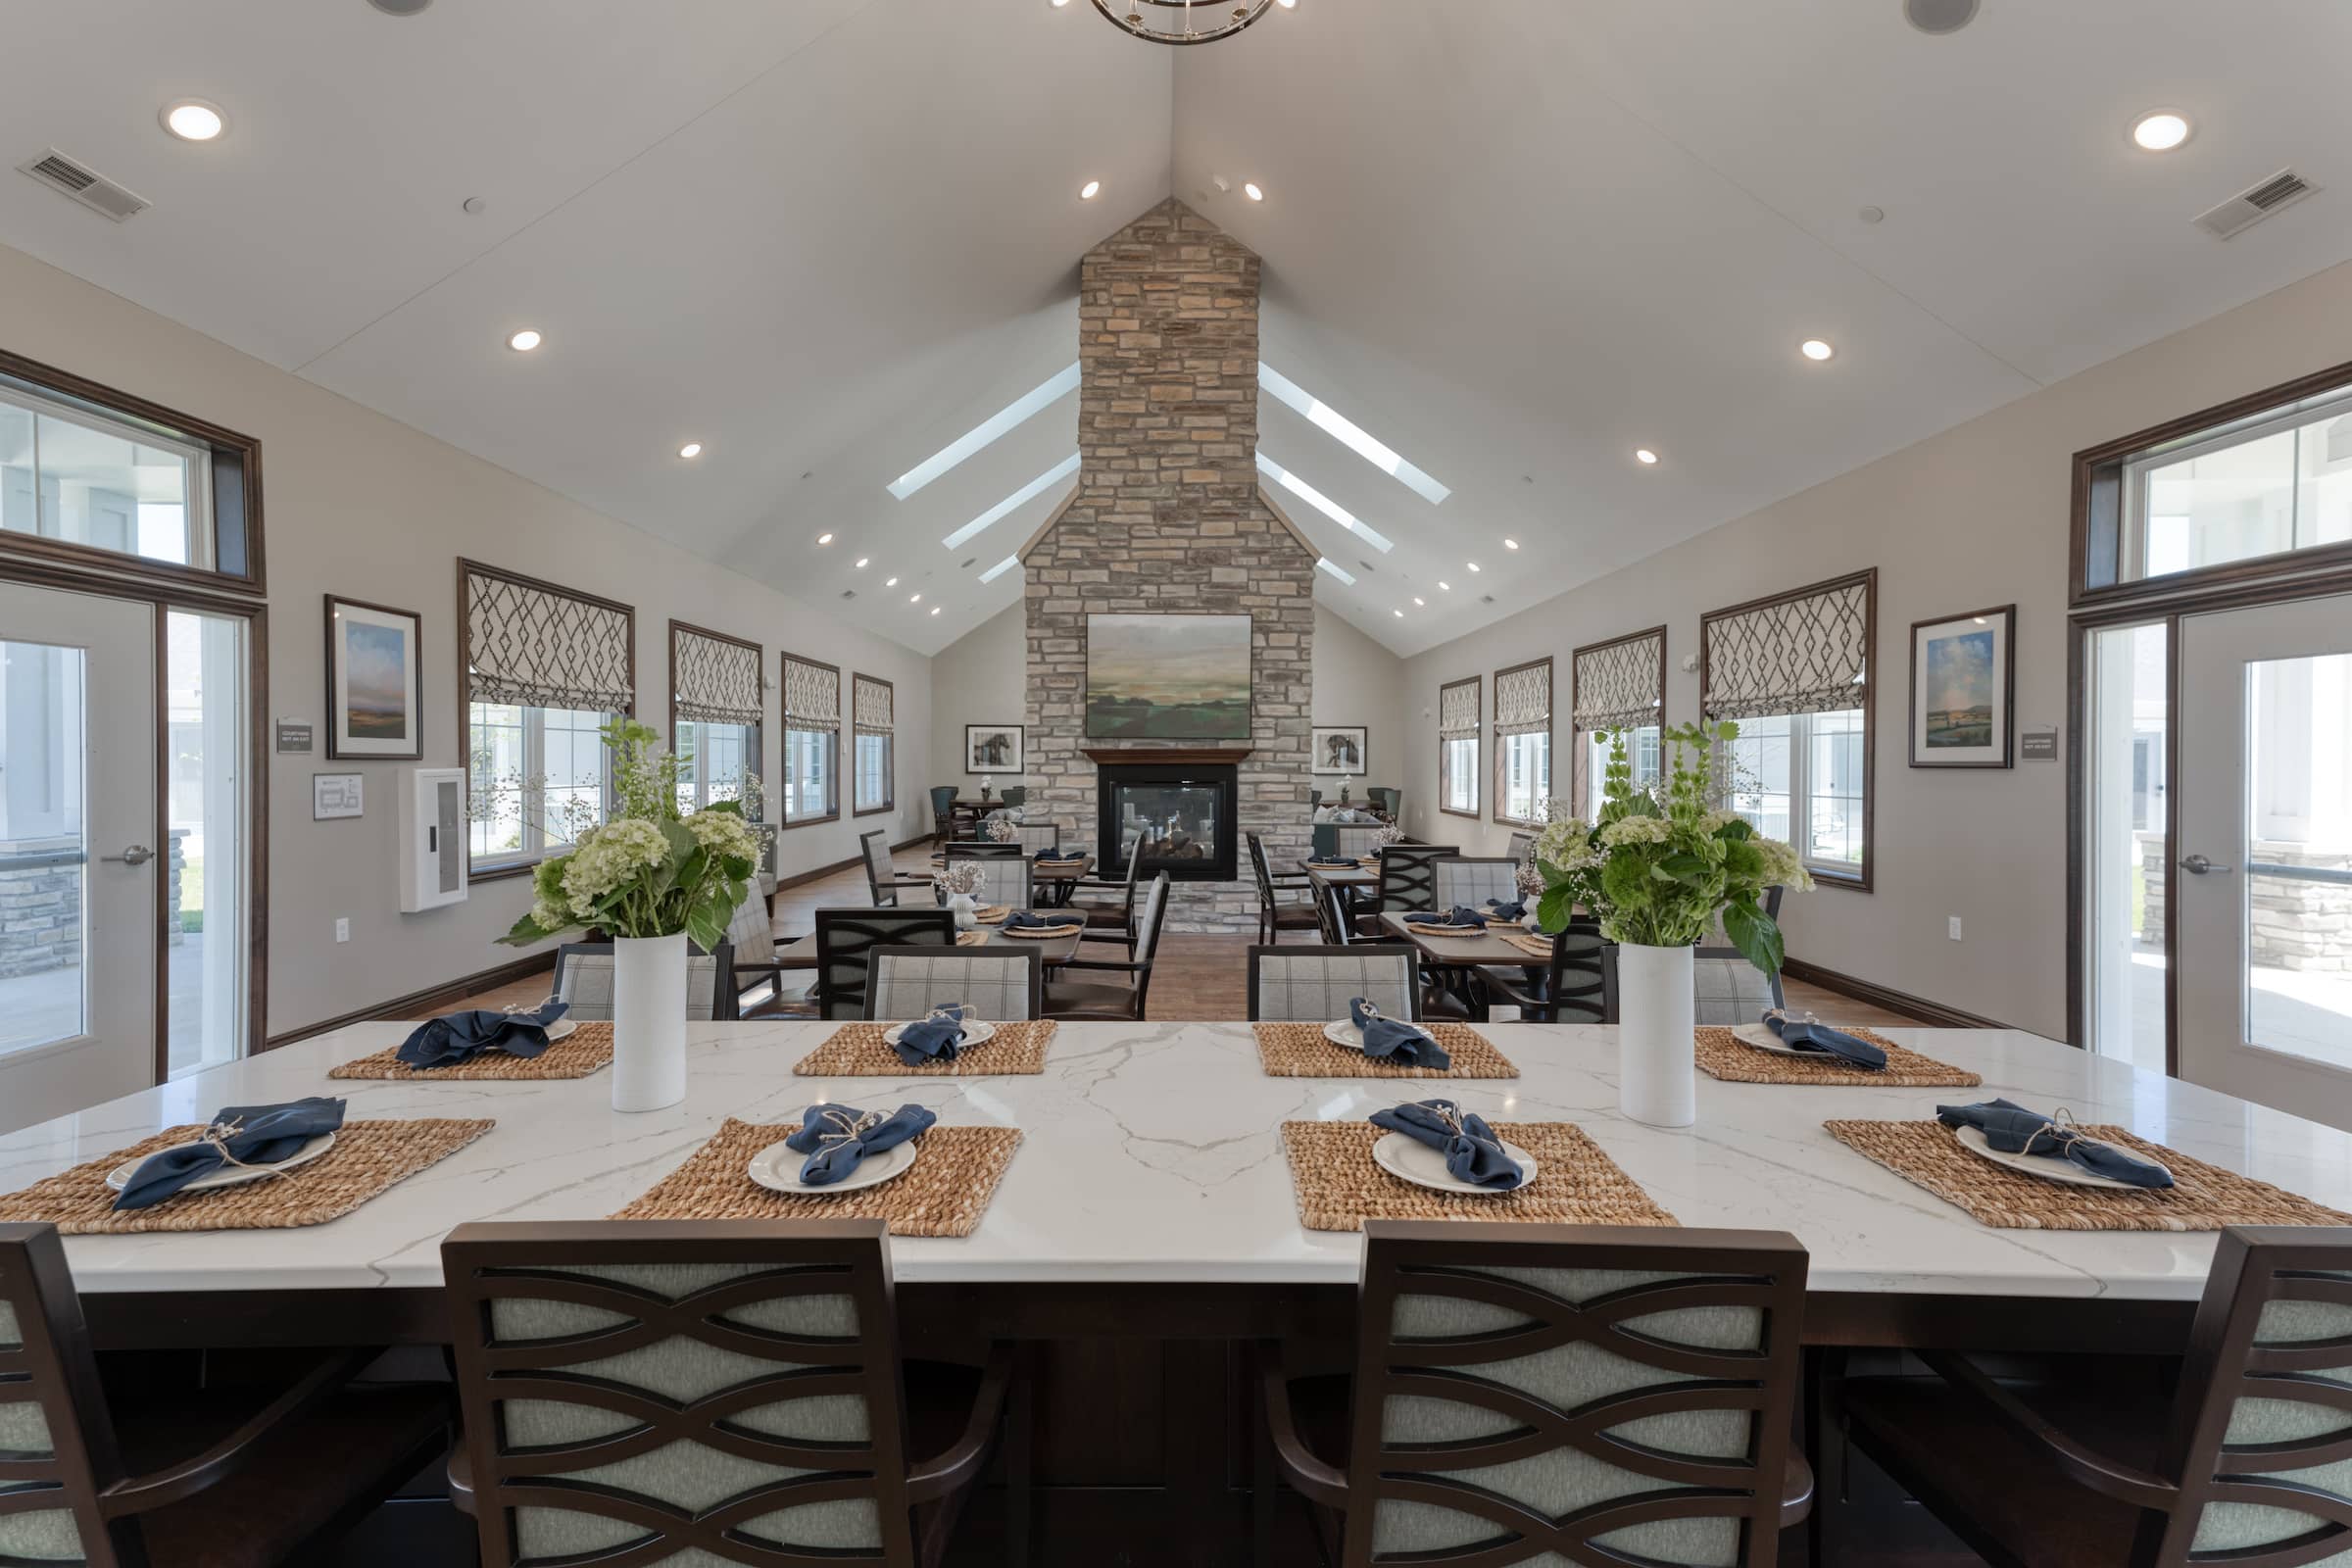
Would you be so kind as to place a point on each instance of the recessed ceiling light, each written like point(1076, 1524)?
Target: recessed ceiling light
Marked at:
point(1510, 543)
point(2160, 130)
point(1472, 564)
point(891, 582)
point(1448, 587)
point(1939, 17)
point(1250, 190)
point(915, 599)
point(1643, 455)
point(861, 561)
point(1058, 4)
point(692, 449)
point(1399, 615)
point(1089, 190)
point(1814, 348)
point(523, 341)
point(194, 120)
point(824, 538)
point(935, 610)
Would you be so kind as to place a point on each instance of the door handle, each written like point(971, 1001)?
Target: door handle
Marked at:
point(137, 854)
point(2198, 866)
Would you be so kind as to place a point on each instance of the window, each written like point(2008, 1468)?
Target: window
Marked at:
point(87, 470)
point(1619, 688)
point(1641, 754)
point(717, 695)
point(1523, 742)
point(874, 787)
point(715, 760)
point(1458, 705)
point(1793, 672)
point(811, 741)
point(541, 670)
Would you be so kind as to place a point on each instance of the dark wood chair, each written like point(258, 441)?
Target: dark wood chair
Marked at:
point(844, 944)
point(205, 1480)
point(2238, 1460)
point(1572, 988)
point(1409, 880)
point(882, 876)
point(1066, 998)
point(731, 1389)
point(943, 812)
point(1300, 984)
point(1277, 913)
point(1111, 919)
point(1482, 1346)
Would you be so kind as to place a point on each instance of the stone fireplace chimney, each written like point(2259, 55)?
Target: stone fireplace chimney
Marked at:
point(1168, 518)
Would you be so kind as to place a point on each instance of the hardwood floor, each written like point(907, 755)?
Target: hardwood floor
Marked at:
point(1196, 976)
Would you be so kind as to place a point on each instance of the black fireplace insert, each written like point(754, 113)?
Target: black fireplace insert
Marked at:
point(1184, 812)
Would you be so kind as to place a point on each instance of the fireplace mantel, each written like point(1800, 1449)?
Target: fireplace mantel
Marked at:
point(1139, 755)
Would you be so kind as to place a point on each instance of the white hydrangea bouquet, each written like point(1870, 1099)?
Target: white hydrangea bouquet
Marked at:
point(647, 871)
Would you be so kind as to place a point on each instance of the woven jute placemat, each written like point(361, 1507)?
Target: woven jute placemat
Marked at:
point(587, 1048)
point(1301, 1051)
point(369, 1157)
point(944, 1192)
point(1532, 947)
point(1721, 1054)
point(858, 1051)
point(970, 939)
point(2202, 1196)
point(1339, 1187)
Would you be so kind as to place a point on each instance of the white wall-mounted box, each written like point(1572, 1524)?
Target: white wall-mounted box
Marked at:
point(432, 838)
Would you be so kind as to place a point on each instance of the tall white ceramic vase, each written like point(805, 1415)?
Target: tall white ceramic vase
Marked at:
point(649, 1021)
point(1657, 1049)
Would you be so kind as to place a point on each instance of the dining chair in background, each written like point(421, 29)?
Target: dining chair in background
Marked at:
point(224, 1480)
point(1316, 984)
point(1035, 836)
point(1571, 988)
point(584, 981)
point(1015, 796)
point(1111, 919)
point(1277, 912)
point(1002, 982)
point(1496, 1367)
point(1360, 839)
point(943, 812)
point(762, 1397)
point(1474, 880)
point(1097, 999)
point(1727, 990)
point(845, 942)
point(882, 876)
point(1521, 843)
point(755, 965)
point(1389, 803)
point(1006, 880)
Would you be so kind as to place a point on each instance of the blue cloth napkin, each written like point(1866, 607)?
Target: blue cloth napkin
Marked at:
point(936, 1038)
point(1393, 1041)
point(835, 1137)
point(464, 1036)
point(1473, 1154)
point(2012, 1129)
point(1023, 920)
point(1460, 914)
point(255, 1135)
point(1810, 1035)
point(1496, 909)
point(1058, 852)
point(1331, 859)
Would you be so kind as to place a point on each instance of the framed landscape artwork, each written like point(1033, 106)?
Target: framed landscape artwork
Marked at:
point(994, 748)
point(1340, 750)
point(1962, 684)
point(1167, 677)
point(375, 707)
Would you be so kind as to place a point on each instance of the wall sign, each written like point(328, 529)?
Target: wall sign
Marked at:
point(2038, 746)
point(334, 795)
point(294, 735)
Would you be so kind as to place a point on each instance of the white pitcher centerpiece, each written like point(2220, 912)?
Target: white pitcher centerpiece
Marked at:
point(650, 878)
point(1655, 870)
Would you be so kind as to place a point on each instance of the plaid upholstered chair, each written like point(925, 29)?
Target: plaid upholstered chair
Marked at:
point(844, 944)
point(1728, 990)
point(881, 874)
point(221, 1480)
point(584, 978)
point(1314, 985)
point(1002, 982)
point(1475, 879)
point(1358, 839)
point(1006, 880)
point(666, 1391)
point(1546, 1394)
point(1035, 836)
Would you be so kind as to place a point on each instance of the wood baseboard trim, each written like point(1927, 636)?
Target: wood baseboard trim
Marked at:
point(818, 875)
point(1931, 1013)
point(417, 1002)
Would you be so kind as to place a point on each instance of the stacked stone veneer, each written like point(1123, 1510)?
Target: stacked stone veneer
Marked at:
point(2291, 924)
point(1168, 518)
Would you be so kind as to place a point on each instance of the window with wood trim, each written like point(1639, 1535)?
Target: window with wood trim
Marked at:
point(540, 669)
point(1458, 723)
point(811, 741)
point(1523, 742)
point(1617, 687)
point(873, 762)
point(1792, 672)
point(717, 703)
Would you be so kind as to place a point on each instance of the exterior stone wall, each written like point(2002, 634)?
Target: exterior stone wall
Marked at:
point(40, 909)
point(1167, 518)
point(2295, 924)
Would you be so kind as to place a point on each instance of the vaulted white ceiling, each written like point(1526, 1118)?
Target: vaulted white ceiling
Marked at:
point(1511, 239)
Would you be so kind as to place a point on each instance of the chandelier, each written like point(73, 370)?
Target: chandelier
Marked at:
point(1186, 21)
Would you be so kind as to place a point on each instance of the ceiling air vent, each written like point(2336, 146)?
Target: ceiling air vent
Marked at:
point(88, 186)
point(2247, 207)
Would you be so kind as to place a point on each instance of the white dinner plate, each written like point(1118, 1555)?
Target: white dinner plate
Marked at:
point(1410, 1160)
point(227, 1175)
point(1763, 1039)
point(778, 1168)
point(559, 1028)
point(2062, 1171)
point(974, 1031)
point(1343, 1034)
point(1043, 933)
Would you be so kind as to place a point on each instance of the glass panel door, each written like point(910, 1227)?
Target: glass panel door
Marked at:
point(2125, 847)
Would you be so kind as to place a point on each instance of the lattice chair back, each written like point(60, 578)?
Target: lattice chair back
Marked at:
point(57, 1444)
point(846, 937)
point(716, 1390)
point(1462, 879)
point(1004, 880)
point(878, 868)
point(1001, 985)
point(584, 979)
point(1314, 985)
point(1358, 839)
point(1408, 875)
point(1558, 1394)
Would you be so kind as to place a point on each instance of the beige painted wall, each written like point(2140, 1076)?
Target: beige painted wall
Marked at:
point(1975, 516)
point(1357, 681)
point(977, 679)
point(358, 505)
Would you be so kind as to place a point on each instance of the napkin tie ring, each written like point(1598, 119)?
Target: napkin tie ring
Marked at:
point(846, 1129)
point(1451, 1116)
point(218, 1135)
point(2061, 1131)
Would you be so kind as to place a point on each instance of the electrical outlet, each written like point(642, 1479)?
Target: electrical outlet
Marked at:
point(343, 930)
point(1952, 927)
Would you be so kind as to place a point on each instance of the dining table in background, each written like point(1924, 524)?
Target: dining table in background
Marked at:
point(1052, 951)
point(1342, 886)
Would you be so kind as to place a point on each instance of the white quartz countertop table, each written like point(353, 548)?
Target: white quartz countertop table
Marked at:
point(1153, 1154)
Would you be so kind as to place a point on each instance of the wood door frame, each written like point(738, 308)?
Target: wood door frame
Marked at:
point(1575, 742)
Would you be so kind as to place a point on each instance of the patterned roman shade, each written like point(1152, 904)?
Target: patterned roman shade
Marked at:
point(540, 646)
point(811, 694)
point(1806, 653)
point(1616, 684)
point(718, 680)
point(1523, 698)
point(1457, 709)
point(872, 704)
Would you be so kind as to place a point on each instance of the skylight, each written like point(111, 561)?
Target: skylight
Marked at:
point(1337, 571)
point(1322, 503)
point(1000, 569)
point(1355, 436)
point(1029, 492)
point(980, 435)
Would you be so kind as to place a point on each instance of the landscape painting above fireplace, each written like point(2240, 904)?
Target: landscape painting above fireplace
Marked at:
point(1167, 677)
